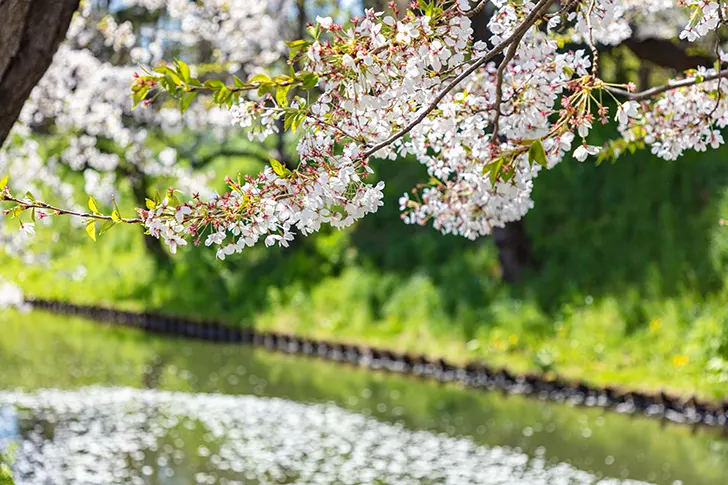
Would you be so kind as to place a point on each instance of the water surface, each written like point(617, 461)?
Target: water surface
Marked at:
point(95, 404)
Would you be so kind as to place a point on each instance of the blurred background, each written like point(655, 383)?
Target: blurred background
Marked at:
point(617, 277)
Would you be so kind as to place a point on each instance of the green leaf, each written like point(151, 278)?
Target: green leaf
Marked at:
point(214, 84)
point(282, 79)
point(288, 120)
point(296, 46)
point(29, 195)
point(237, 82)
point(139, 95)
point(92, 205)
point(167, 71)
point(116, 215)
point(4, 182)
point(106, 226)
point(537, 154)
point(185, 100)
point(282, 96)
point(495, 169)
point(297, 120)
point(150, 204)
point(279, 168)
point(259, 78)
point(297, 43)
point(91, 229)
point(308, 79)
point(266, 88)
point(184, 70)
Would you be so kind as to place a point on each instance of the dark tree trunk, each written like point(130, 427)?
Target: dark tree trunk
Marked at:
point(514, 250)
point(30, 32)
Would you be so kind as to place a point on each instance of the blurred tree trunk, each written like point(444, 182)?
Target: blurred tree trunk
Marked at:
point(30, 32)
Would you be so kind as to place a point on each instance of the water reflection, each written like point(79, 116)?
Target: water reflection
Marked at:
point(39, 351)
point(107, 435)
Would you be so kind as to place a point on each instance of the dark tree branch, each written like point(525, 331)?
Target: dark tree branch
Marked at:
point(30, 32)
point(227, 152)
point(666, 53)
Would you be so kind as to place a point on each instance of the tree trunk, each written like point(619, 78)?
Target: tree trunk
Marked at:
point(30, 32)
point(514, 250)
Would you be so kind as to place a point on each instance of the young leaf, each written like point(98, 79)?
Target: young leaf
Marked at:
point(259, 78)
point(4, 182)
point(139, 94)
point(184, 70)
point(309, 81)
point(167, 71)
point(185, 100)
point(537, 154)
point(214, 84)
point(106, 226)
point(116, 216)
point(150, 204)
point(279, 168)
point(281, 96)
point(92, 205)
point(91, 229)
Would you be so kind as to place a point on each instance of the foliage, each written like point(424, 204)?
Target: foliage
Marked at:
point(6, 474)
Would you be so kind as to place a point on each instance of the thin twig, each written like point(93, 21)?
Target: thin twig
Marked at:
point(532, 17)
point(475, 10)
point(592, 45)
point(499, 83)
point(648, 93)
point(58, 210)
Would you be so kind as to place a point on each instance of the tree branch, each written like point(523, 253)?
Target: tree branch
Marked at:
point(227, 152)
point(666, 54)
point(57, 210)
point(648, 93)
point(527, 23)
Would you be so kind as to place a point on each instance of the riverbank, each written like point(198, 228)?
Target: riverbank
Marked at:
point(474, 374)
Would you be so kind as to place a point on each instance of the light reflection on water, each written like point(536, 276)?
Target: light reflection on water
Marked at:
point(226, 412)
point(112, 435)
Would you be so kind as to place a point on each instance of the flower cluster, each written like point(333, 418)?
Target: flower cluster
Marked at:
point(273, 206)
point(83, 99)
point(706, 17)
point(688, 118)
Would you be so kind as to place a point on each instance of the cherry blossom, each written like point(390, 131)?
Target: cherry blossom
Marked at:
point(483, 117)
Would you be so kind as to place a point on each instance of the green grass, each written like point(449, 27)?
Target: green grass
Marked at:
point(630, 289)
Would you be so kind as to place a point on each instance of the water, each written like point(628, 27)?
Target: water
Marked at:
point(97, 405)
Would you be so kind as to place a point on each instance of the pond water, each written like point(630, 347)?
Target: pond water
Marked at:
point(89, 404)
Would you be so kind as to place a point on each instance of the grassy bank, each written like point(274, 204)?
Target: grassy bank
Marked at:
point(630, 289)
